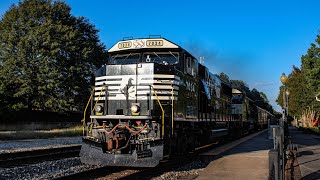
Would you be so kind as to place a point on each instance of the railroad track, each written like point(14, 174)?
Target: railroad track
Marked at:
point(111, 172)
point(38, 155)
point(168, 165)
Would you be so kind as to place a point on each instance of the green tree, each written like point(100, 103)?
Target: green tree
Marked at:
point(47, 57)
point(259, 98)
point(264, 97)
point(310, 64)
point(239, 84)
point(224, 77)
point(299, 96)
point(279, 99)
point(256, 97)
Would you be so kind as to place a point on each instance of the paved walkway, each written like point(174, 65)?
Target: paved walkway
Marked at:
point(308, 153)
point(247, 160)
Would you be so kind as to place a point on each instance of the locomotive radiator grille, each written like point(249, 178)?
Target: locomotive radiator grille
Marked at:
point(119, 86)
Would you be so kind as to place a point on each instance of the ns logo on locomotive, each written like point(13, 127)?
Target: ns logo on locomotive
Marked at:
point(152, 99)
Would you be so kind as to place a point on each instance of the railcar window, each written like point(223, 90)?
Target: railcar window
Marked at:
point(125, 58)
point(161, 57)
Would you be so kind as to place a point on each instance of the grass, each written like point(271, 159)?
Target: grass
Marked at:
point(41, 134)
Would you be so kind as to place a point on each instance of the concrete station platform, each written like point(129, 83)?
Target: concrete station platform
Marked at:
point(246, 158)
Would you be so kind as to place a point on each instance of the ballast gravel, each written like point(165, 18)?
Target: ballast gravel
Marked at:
point(64, 167)
point(46, 170)
point(187, 171)
point(23, 145)
point(69, 166)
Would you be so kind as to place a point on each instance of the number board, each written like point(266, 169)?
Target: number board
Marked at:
point(154, 43)
point(126, 44)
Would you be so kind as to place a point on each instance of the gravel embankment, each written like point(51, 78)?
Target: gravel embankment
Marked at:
point(46, 170)
point(64, 167)
point(187, 171)
point(68, 166)
point(23, 145)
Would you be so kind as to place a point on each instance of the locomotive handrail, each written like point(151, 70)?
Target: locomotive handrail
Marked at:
point(95, 106)
point(162, 115)
point(172, 114)
point(85, 112)
point(97, 99)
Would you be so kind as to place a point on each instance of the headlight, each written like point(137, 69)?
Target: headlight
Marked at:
point(135, 108)
point(99, 108)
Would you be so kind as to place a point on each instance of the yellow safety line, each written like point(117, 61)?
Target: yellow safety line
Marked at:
point(85, 112)
point(162, 117)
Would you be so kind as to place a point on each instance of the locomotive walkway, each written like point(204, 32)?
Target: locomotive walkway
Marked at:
point(247, 159)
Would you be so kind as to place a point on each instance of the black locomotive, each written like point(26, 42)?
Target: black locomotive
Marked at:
point(153, 99)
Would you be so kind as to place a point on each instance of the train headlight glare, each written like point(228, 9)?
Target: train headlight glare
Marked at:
point(99, 108)
point(135, 108)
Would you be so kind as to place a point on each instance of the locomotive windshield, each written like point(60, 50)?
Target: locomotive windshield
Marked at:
point(161, 57)
point(237, 99)
point(130, 58)
point(152, 57)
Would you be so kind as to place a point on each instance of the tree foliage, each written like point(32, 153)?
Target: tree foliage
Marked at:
point(47, 57)
point(264, 97)
point(224, 77)
point(239, 84)
point(299, 93)
point(259, 98)
point(304, 83)
point(311, 66)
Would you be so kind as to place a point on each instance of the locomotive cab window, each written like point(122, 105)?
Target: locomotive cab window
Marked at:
point(161, 57)
point(130, 58)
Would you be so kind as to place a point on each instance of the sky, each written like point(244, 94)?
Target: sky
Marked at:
point(250, 40)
